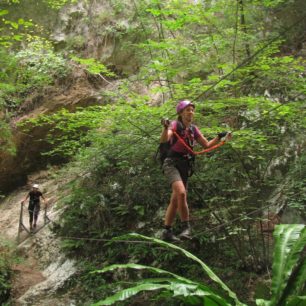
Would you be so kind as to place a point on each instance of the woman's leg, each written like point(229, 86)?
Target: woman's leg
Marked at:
point(36, 213)
point(183, 210)
point(179, 191)
point(35, 219)
point(171, 211)
point(170, 217)
point(31, 213)
point(178, 203)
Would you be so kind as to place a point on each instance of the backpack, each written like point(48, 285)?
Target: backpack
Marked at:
point(164, 149)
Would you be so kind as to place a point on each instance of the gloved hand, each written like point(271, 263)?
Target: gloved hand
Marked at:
point(165, 122)
point(222, 134)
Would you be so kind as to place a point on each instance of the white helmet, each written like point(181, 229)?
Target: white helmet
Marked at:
point(35, 186)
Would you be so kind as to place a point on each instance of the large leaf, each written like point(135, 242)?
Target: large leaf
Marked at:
point(127, 293)
point(188, 290)
point(143, 267)
point(204, 293)
point(290, 240)
point(297, 281)
point(178, 289)
point(210, 273)
point(179, 284)
point(289, 267)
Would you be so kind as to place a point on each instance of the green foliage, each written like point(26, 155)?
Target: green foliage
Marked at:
point(178, 285)
point(183, 49)
point(76, 42)
point(29, 70)
point(114, 164)
point(68, 131)
point(288, 283)
point(13, 32)
point(296, 189)
point(9, 85)
point(41, 66)
point(6, 261)
point(265, 71)
point(58, 4)
point(3, 12)
point(112, 158)
point(93, 66)
point(271, 3)
point(289, 266)
point(185, 42)
point(6, 142)
point(11, 1)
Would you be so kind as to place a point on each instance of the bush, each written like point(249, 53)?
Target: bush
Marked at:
point(6, 260)
point(40, 64)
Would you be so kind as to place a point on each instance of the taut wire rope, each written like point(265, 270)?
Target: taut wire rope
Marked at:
point(210, 230)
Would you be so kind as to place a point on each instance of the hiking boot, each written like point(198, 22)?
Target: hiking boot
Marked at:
point(185, 234)
point(168, 236)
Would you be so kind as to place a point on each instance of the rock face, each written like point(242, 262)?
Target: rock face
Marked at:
point(99, 29)
point(96, 29)
point(29, 145)
point(53, 279)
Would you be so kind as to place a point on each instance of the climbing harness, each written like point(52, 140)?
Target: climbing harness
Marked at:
point(164, 149)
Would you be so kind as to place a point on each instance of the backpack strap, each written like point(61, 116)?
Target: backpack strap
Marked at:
point(176, 126)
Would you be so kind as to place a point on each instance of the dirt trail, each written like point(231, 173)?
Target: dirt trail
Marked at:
point(26, 275)
point(9, 214)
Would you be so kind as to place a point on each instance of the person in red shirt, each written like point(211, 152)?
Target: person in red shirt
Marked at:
point(34, 205)
point(177, 164)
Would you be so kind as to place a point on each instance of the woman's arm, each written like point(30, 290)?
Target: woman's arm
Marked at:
point(166, 133)
point(25, 198)
point(205, 143)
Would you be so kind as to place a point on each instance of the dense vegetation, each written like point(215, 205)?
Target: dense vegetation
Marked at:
point(239, 61)
point(7, 259)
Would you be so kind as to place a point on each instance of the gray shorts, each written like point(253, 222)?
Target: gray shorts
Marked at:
point(171, 171)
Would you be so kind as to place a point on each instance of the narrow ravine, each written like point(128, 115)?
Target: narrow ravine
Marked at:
point(43, 268)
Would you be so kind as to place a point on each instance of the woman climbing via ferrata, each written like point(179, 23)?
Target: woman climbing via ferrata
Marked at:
point(179, 137)
point(34, 204)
